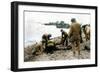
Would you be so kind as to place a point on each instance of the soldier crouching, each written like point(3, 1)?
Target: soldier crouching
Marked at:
point(47, 43)
point(39, 48)
point(45, 38)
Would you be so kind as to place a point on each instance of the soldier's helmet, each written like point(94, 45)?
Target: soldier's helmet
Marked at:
point(62, 30)
point(49, 35)
point(73, 20)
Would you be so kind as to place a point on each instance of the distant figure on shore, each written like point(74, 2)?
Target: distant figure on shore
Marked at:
point(64, 38)
point(74, 35)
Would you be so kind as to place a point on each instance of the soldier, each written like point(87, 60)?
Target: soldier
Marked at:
point(37, 50)
point(86, 30)
point(40, 47)
point(74, 35)
point(45, 39)
point(48, 44)
point(64, 38)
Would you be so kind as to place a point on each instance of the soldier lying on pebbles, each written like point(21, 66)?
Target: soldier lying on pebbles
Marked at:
point(37, 49)
point(74, 35)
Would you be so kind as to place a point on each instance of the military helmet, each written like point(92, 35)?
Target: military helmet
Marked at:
point(73, 20)
point(61, 30)
point(49, 35)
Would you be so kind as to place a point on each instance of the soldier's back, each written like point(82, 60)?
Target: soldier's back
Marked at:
point(75, 28)
point(75, 32)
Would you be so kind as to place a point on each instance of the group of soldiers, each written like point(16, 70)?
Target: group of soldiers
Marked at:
point(72, 38)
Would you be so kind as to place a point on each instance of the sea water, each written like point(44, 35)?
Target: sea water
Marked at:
point(34, 34)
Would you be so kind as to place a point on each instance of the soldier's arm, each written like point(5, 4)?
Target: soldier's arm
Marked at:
point(70, 31)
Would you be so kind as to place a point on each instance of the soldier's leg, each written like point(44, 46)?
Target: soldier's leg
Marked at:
point(86, 37)
point(62, 41)
point(66, 41)
point(73, 48)
point(78, 47)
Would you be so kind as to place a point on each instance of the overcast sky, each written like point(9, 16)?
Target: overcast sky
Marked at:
point(34, 21)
